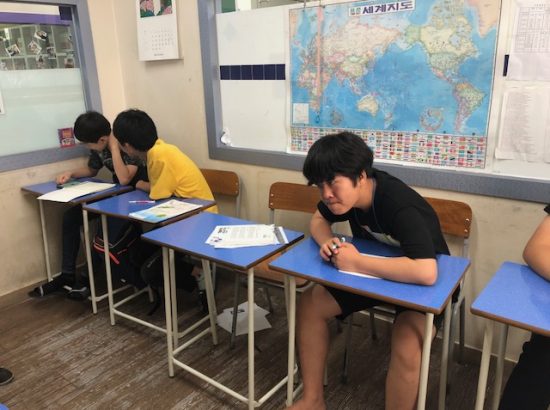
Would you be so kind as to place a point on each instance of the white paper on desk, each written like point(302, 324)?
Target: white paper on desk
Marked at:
point(236, 236)
point(166, 210)
point(363, 275)
point(260, 322)
point(75, 191)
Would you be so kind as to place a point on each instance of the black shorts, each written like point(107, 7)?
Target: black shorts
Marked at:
point(351, 302)
point(528, 385)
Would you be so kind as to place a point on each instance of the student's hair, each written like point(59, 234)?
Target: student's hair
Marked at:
point(136, 128)
point(91, 126)
point(337, 154)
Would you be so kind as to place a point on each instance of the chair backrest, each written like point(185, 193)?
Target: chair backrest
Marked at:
point(225, 183)
point(288, 196)
point(455, 218)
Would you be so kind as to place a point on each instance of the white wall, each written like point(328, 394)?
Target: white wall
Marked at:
point(171, 92)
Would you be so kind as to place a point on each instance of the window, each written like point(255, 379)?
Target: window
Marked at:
point(47, 78)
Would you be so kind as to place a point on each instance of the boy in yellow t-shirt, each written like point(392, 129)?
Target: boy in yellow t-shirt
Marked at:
point(171, 172)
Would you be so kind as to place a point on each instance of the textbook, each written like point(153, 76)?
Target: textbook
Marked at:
point(164, 211)
point(75, 191)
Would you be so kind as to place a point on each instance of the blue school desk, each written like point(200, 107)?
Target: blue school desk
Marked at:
point(189, 236)
point(304, 261)
point(515, 296)
point(44, 188)
point(121, 206)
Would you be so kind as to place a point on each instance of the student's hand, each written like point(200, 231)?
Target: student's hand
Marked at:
point(143, 185)
point(63, 178)
point(330, 248)
point(345, 257)
point(113, 143)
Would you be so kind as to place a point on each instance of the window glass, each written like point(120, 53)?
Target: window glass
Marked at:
point(41, 83)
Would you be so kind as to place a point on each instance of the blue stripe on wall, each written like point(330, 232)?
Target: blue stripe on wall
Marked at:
point(253, 72)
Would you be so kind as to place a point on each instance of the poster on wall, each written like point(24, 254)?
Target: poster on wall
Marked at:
point(157, 28)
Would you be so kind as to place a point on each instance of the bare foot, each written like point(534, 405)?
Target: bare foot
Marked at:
point(302, 404)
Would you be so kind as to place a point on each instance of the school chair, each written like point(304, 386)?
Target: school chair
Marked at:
point(455, 219)
point(283, 196)
point(224, 184)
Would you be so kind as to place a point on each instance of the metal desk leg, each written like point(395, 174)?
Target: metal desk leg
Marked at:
point(425, 364)
point(168, 310)
point(484, 367)
point(291, 315)
point(250, 276)
point(173, 296)
point(502, 339)
point(108, 267)
point(210, 300)
point(445, 356)
point(89, 259)
point(45, 240)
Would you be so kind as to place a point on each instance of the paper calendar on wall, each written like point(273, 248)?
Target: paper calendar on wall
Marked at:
point(157, 30)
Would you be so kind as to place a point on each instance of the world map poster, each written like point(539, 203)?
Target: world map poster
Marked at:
point(412, 78)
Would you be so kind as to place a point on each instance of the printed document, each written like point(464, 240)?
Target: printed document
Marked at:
point(236, 236)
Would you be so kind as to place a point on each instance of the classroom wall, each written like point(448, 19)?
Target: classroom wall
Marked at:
point(171, 92)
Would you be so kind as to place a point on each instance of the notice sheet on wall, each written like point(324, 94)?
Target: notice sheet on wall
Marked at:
point(530, 53)
point(524, 130)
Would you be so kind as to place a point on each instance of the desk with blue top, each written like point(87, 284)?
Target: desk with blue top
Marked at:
point(304, 261)
point(515, 296)
point(121, 206)
point(44, 188)
point(189, 236)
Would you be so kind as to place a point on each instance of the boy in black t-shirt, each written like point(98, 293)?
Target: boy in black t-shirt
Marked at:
point(94, 130)
point(379, 207)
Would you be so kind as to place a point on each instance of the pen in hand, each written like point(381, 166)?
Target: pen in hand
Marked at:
point(335, 246)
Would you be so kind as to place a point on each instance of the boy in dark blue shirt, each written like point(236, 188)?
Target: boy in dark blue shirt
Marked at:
point(94, 130)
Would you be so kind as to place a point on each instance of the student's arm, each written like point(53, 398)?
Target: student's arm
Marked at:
point(143, 185)
point(400, 269)
point(537, 250)
point(422, 271)
point(321, 231)
point(124, 172)
point(83, 172)
point(162, 181)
